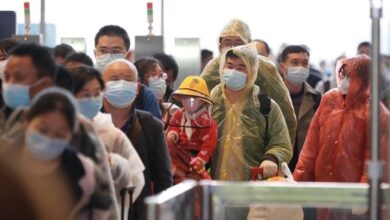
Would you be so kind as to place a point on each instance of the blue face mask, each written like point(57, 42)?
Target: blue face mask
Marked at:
point(158, 86)
point(121, 93)
point(234, 80)
point(89, 107)
point(297, 75)
point(16, 95)
point(44, 148)
point(104, 59)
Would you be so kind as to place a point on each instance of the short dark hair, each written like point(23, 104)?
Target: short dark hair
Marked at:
point(41, 58)
point(79, 57)
point(364, 44)
point(63, 50)
point(9, 43)
point(63, 79)
point(292, 49)
point(82, 75)
point(204, 53)
point(144, 64)
point(54, 102)
point(113, 30)
point(169, 63)
point(231, 54)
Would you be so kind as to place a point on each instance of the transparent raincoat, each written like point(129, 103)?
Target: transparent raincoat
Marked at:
point(337, 146)
point(241, 126)
point(268, 78)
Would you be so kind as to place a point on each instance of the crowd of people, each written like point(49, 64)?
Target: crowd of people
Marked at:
point(75, 133)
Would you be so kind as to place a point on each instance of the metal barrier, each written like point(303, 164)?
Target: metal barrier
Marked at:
point(178, 201)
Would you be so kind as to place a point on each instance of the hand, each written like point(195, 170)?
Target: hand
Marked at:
point(197, 164)
point(172, 138)
point(270, 168)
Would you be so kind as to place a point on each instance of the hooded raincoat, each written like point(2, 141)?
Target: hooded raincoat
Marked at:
point(241, 127)
point(267, 77)
point(337, 146)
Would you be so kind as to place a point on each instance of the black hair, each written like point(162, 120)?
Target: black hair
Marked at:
point(144, 64)
point(54, 102)
point(63, 50)
point(113, 30)
point(64, 79)
point(9, 43)
point(231, 54)
point(79, 57)
point(82, 75)
point(204, 54)
point(292, 49)
point(169, 63)
point(40, 57)
point(364, 44)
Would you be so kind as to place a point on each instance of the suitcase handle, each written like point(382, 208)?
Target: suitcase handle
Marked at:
point(123, 193)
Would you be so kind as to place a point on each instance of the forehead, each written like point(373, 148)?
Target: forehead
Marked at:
point(20, 63)
point(235, 60)
point(119, 69)
point(297, 56)
point(110, 41)
point(231, 38)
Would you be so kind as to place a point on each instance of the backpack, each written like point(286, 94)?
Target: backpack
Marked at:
point(265, 108)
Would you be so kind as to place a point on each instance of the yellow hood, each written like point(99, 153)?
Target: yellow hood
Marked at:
point(236, 28)
point(248, 54)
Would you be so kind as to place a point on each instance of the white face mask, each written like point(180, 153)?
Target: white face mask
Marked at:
point(3, 63)
point(297, 74)
point(234, 79)
point(158, 86)
point(343, 86)
point(104, 59)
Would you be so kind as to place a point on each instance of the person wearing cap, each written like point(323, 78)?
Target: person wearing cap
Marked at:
point(236, 33)
point(191, 133)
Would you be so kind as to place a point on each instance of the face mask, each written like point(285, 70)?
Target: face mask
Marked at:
point(104, 59)
point(89, 107)
point(234, 80)
point(190, 104)
point(343, 87)
point(121, 93)
point(16, 95)
point(297, 75)
point(3, 63)
point(158, 86)
point(44, 148)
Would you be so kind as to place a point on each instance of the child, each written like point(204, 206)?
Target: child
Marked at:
point(191, 133)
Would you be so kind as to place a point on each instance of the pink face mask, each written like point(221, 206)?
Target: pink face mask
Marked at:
point(191, 104)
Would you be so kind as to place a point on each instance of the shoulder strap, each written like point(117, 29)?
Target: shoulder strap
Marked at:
point(138, 103)
point(135, 132)
point(265, 108)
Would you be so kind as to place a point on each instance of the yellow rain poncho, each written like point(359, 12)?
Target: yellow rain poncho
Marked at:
point(241, 126)
point(268, 78)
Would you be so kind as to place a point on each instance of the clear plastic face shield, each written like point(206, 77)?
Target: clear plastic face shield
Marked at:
point(194, 110)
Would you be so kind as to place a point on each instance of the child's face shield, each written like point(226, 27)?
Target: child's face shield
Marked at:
point(193, 115)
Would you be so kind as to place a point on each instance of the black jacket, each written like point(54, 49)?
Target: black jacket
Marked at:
point(149, 141)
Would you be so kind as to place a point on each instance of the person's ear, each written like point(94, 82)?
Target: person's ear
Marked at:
point(283, 69)
point(130, 56)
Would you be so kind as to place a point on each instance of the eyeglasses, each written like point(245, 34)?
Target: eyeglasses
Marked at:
point(114, 50)
point(229, 43)
point(343, 74)
point(162, 75)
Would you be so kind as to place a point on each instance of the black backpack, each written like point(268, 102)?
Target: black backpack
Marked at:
point(265, 108)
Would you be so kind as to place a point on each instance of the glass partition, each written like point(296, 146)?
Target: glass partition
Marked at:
point(214, 200)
